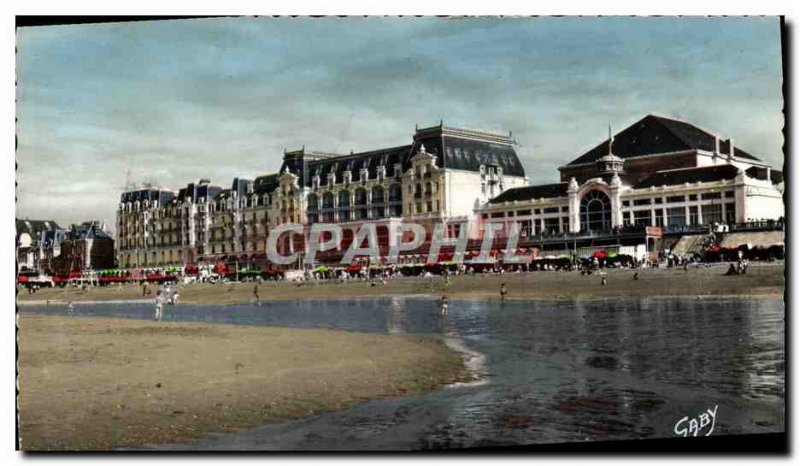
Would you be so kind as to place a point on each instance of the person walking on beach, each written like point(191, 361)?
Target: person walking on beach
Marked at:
point(503, 292)
point(445, 303)
point(255, 294)
point(159, 306)
point(603, 281)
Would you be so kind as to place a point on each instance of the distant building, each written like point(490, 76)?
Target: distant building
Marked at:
point(658, 172)
point(442, 176)
point(35, 240)
point(86, 246)
point(659, 175)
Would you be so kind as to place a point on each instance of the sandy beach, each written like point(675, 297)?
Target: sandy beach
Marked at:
point(98, 384)
point(762, 280)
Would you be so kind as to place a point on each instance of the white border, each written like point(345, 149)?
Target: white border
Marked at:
point(427, 7)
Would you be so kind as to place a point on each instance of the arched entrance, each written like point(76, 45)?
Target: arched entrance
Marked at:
point(595, 211)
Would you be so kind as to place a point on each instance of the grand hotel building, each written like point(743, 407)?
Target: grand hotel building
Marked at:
point(658, 172)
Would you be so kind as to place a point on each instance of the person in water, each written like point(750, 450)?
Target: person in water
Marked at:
point(445, 305)
point(503, 292)
point(255, 295)
point(70, 308)
point(159, 306)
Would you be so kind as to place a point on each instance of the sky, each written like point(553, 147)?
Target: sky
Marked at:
point(176, 101)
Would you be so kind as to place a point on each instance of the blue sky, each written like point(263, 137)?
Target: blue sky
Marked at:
point(175, 101)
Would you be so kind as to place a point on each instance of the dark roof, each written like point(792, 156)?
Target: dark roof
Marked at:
point(689, 175)
point(195, 191)
point(88, 230)
point(371, 160)
point(33, 227)
point(266, 183)
point(454, 148)
point(656, 135)
point(527, 193)
point(467, 150)
point(163, 196)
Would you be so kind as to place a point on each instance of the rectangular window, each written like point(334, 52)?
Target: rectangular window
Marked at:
point(728, 193)
point(551, 225)
point(537, 211)
point(692, 197)
point(498, 214)
point(712, 213)
point(642, 217)
point(523, 212)
point(565, 224)
point(693, 215)
point(626, 203)
point(730, 213)
point(484, 216)
point(565, 208)
point(551, 210)
point(641, 202)
point(659, 200)
point(671, 199)
point(707, 196)
point(676, 217)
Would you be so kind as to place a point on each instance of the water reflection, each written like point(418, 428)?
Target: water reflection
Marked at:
point(554, 371)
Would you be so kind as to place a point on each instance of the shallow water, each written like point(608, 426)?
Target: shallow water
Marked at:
point(550, 371)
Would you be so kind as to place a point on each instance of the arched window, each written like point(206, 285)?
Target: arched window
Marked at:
point(378, 195)
point(395, 193)
point(327, 200)
point(595, 211)
point(344, 206)
point(361, 196)
point(313, 208)
point(313, 203)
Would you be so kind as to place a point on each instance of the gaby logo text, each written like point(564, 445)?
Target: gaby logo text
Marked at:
point(702, 424)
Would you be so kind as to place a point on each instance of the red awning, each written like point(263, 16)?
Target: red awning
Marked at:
point(353, 268)
point(22, 278)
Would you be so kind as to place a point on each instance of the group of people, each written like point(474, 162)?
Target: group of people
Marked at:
point(169, 295)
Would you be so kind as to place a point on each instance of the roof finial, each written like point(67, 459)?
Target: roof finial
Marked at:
point(610, 140)
point(441, 122)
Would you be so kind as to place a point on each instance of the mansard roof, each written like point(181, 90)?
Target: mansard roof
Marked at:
point(195, 191)
point(354, 163)
point(161, 195)
point(33, 227)
point(463, 149)
point(266, 183)
point(527, 193)
point(689, 175)
point(454, 148)
point(657, 135)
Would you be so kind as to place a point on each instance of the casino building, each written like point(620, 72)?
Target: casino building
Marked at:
point(660, 175)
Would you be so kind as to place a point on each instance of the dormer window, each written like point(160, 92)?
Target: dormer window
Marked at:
point(348, 177)
point(364, 174)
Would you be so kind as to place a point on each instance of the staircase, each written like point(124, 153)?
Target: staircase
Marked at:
point(696, 244)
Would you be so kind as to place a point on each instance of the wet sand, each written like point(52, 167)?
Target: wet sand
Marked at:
point(762, 280)
point(97, 384)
